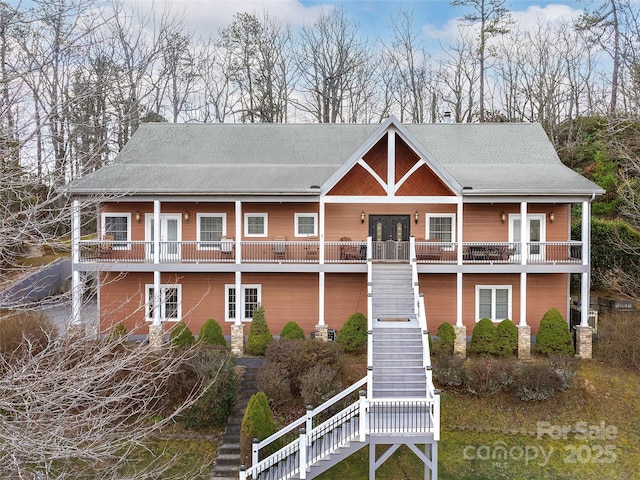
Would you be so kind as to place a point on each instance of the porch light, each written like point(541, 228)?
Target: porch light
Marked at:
point(186, 216)
point(551, 217)
point(416, 216)
point(503, 216)
point(362, 217)
point(138, 216)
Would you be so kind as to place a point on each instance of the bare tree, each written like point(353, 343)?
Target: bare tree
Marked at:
point(329, 59)
point(492, 18)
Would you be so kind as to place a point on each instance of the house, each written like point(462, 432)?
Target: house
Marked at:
point(208, 221)
point(413, 224)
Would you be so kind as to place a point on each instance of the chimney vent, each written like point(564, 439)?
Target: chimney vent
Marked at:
point(447, 117)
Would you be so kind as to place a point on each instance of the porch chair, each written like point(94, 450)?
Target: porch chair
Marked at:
point(312, 248)
point(428, 250)
point(105, 248)
point(279, 247)
point(226, 246)
point(349, 252)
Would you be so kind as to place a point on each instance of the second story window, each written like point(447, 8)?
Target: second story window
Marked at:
point(211, 228)
point(116, 226)
point(306, 224)
point(441, 227)
point(255, 225)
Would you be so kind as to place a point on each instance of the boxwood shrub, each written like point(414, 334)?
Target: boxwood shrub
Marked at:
point(554, 337)
point(483, 339)
point(447, 336)
point(506, 338)
point(292, 331)
point(211, 334)
point(353, 334)
point(181, 336)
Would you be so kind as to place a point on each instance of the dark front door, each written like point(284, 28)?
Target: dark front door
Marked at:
point(389, 227)
point(390, 235)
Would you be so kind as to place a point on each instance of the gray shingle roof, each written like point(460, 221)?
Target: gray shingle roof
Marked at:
point(253, 159)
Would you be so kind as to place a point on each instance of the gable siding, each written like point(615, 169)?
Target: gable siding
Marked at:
point(358, 182)
point(376, 158)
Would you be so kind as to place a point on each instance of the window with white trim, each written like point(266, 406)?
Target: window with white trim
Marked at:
point(441, 226)
point(251, 298)
point(493, 302)
point(118, 226)
point(306, 224)
point(169, 302)
point(255, 225)
point(211, 228)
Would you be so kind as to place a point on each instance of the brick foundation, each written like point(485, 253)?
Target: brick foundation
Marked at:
point(460, 344)
point(237, 339)
point(584, 342)
point(524, 342)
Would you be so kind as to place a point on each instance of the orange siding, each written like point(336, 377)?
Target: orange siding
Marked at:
point(405, 158)
point(358, 182)
point(376, 158)
point(344, 294)
point(424, 182)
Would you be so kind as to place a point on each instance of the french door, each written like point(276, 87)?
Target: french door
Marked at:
point(390, 235)
point(534, 235)
point(170, 234)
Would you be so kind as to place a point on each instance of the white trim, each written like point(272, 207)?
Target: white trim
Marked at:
point(265, 216)
point(368, 168)
point(158, 231)
point(527, 229)
point(199, 216)
point(116, 245)
point(411, 171)
point(493, 289)
point(239, 305)
point(397, 200)
point(163, 290)
point(296, 218)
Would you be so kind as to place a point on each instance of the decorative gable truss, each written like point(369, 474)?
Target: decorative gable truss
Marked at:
point(391, 163)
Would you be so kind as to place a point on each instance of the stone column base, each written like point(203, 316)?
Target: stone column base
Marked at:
point(322, 333)
point(460, 344)
point(156, 336)
point(237, 339)
point(584, 342)
point(524, 342)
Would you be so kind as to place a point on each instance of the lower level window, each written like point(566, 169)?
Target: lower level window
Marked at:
point(169, 301)
point(248, 303)
point(493, 302)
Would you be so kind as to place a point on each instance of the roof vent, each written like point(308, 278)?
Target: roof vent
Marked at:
point(447, 117)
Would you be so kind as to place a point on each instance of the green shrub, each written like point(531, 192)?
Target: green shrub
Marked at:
point(259, 335)
point(211, 334)
point(181, 336)
point(554, 337)
point(213, 368)
point(483, 339)
point(447, 336)
point(506, 338)
point(353, 334)
point(292, 331)
point(257, 423)
point(117, 332)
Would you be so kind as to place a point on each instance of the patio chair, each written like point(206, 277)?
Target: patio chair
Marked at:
point(349, 252)
point(105, 249)
point(279, 247)
point(312, 248)
point(428, 250)
point(226, 246)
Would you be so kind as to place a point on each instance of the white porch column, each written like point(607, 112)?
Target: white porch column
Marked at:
point(75, 327)
point(156, 329)
point(524, 249)
point(238, 231)
point(460, 210)
point(321, 229)
point(584, 333)
point(523, 299)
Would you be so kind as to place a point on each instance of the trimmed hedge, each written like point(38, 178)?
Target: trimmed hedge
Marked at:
point(211, 334)
point(447, 336)
point(506, 338)
point(181, 336)
point(292, 331)
point(353, 334)
point(259, 334)
point(483, 339)
point(554, 337)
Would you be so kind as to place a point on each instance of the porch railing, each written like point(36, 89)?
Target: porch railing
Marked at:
point(335, 252)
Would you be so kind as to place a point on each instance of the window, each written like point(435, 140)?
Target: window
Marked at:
point(306, 224)
point(441, 227)
point(493, 302)
point(117, 226)
point(170, 303)
point(211, 228)
point(255, 224)
point(251, 300)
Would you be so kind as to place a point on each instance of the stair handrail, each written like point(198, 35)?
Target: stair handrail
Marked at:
point(369, 317)
point(413, 259)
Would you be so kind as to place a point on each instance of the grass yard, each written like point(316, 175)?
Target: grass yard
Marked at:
point(591, 433)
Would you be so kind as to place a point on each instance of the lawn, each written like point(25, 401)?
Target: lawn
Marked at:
point(588, 432)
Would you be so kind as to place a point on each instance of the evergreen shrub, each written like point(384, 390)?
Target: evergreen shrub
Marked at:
point(259, 334)
point(506, 338)
point(447, 336)
point(211, 334)
point(257, 423)
point(181, 335)
point(353, 334)
point(483, 338)
point(292, 331)
point(117, 332)
point(554, 337)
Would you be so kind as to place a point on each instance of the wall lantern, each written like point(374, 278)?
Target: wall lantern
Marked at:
point(186, 216)
point(362, 217)
point(551, 217)
point(416, 216)
point(138, 216)
point(503, 216)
